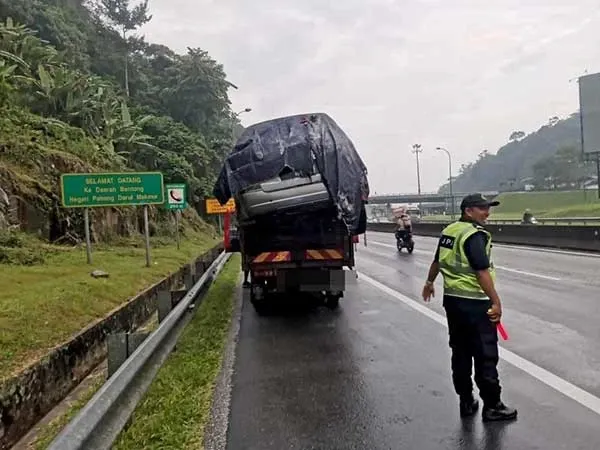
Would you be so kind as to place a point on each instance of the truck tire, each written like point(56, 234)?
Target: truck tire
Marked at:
point(259, 304)
point(259, 307)
point(332, 301)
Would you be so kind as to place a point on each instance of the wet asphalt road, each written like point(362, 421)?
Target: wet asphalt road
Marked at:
point(376, 373)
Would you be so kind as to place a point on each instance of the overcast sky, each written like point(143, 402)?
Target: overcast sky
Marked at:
point(462, 74)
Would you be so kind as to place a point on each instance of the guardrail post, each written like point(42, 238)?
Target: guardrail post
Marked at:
point(188, 278)
point(200, 267)
point(120, 347)
point(117, 351)
point(176, 297)
point(164, 304)
point(167, 300)
point(134, 340)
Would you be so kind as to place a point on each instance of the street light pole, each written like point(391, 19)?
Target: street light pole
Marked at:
point(416, 150)
point(449, 178)
point(243, 111)
point(235, 116)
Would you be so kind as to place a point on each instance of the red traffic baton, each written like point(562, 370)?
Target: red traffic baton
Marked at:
point(502, 331)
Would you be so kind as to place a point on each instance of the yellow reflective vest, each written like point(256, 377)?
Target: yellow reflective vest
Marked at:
point(459, 278)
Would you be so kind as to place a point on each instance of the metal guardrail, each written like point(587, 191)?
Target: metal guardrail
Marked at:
point(101, 420)
point(540, 221)
point(551, 221)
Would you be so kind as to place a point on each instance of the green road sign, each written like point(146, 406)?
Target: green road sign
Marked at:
point(176, 196)
point(89, 190)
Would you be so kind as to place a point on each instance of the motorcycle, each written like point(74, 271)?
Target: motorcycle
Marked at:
point(404, 240)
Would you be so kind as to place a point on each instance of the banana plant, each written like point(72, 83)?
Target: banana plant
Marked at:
point(128, 134)
point(6, 85)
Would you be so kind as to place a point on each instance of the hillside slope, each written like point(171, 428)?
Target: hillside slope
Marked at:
point(75, 96)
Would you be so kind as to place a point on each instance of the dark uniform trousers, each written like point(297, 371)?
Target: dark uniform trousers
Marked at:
point(473, 337)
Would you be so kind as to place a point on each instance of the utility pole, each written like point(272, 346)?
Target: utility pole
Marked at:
point(452, 203)
point(416, 150)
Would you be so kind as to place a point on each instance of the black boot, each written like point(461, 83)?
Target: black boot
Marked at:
point(498, 412)
point(468, 406)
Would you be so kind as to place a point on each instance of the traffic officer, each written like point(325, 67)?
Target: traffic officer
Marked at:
point(472, 307)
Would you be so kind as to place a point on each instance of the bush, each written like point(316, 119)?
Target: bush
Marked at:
point(18, 248)
point(22, 256)
point(12, 239)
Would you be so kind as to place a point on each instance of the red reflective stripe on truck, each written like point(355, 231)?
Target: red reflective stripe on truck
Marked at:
point(324, 254)
point(266, 257)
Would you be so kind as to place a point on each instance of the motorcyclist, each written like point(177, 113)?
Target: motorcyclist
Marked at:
point(528, 217)
point(403, 225)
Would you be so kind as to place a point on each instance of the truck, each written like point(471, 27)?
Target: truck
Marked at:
point(300, 190)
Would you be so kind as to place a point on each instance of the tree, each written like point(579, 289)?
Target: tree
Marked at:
point(125, 19)
point(564, 169)
point(516, 136)
point(174, 114)
point(516, 159)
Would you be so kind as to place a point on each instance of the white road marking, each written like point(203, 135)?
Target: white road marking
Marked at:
point(521, 272)
point(547, 250)
point(562, 386)
point(381, 244)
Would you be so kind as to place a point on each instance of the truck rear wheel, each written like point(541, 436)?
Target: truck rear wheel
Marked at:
point(332, 301)
point(258, 302)
point(259, 307)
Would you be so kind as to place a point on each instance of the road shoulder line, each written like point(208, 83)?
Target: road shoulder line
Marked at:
point(215, 436)
point(562, 386)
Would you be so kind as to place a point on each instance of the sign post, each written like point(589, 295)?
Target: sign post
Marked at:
point(96, 190)
point(88, 242)
point(147, 236)
point(176, 201)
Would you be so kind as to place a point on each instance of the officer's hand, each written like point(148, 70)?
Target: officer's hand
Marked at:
point(428, 292)
point(495, 313)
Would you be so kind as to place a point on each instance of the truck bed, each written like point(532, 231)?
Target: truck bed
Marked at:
point(294, 232)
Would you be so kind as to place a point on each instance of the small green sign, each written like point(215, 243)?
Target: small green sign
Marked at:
point(89, 190)
point(176, 196)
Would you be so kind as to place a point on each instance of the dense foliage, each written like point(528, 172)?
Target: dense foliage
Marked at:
point(79, 66)
point(549, 158)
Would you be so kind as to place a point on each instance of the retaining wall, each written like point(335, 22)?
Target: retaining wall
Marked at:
point(26, 398)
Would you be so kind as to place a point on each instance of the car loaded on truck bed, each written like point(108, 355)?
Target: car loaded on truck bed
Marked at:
point(300, 190)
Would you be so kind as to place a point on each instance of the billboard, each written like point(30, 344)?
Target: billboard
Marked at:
point(589, 105)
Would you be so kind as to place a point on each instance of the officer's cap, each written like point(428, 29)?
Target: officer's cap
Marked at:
point(473, 200)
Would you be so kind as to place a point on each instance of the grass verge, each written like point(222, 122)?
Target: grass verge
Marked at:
point(176, 408)
point(542, 204)
point(548, 203)
point(45, 303)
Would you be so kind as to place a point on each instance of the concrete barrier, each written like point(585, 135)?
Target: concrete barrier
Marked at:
point(27, 397)
point(581, 237)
